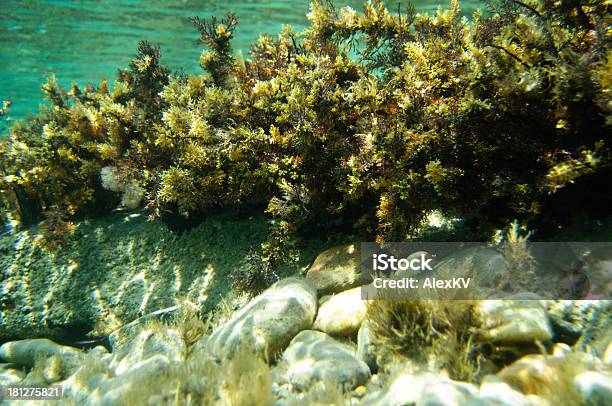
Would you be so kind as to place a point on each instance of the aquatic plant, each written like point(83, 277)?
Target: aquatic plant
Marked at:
point(5, 108)
point(257, 274)
point(199, 379)
point(519, 262)
point(51, 163)
point(551, 377)
point(364, 122)
point(419, 329)
point(320, 394)
point(217, 36)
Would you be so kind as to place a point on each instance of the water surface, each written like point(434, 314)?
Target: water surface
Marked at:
point(87, 40)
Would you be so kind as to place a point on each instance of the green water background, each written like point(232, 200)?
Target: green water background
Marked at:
point(85, 41)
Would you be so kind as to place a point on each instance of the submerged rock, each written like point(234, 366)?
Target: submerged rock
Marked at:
point(27, 352)
point(85, 385)
point(607, 358)
point(46, 362)
point(113, 391)
point(342, 314)
point(582, 322)
point(365, 346)
point(494, 391)
point(337, 269)
point(115, 269)
point(422, 389)
point(405, 389)
point(550, 376)
point(514, 321)
point(269, 321)
point(11, 374)
point(597, 264)
point(488, 264)
point(314, 356)
point(128, 332)
point(148, 343)
point(594, 387)
point(445, 392)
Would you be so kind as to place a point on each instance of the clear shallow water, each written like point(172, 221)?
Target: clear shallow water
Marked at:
point(87, 40)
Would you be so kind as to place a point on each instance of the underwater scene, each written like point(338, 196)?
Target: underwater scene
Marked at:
point(347, 202)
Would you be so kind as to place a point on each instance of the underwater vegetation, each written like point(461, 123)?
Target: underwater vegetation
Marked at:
point(365, 122)
point(419, 329)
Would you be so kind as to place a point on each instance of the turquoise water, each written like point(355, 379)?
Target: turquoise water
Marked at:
point(87, 40)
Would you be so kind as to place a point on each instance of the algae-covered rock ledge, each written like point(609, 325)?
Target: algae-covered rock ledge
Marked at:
point(116, 269)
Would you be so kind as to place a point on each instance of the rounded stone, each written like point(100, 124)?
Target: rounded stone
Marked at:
point(342, 314)
point(269, 321)
point(314, 356)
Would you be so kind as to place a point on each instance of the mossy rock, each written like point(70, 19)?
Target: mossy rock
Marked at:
point(338, 269)
point(114, 270)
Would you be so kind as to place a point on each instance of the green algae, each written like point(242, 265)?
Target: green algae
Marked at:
point(364, 123)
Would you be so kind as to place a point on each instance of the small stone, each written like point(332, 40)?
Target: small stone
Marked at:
point(425, 389)
point(114, 390)
point(11, 374)
point(594, 387)
point(488, 263)
point(82, 387)
point(25, 352)
point(444, 392)
point(598, 266)
point(359, 391)
point(607, 358)
point(406, 389)
point(146, 344)
point(366, 350)
point(375, 380)
point(342, 314)
point(541, 374)
point(314, 356)
point(581, 323)
point(560, 349)
point(494, 391)
point(99, 351)
point(514, 322)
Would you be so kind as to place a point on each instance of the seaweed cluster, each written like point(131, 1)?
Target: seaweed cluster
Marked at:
point(420, 330)
point(365, 121)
